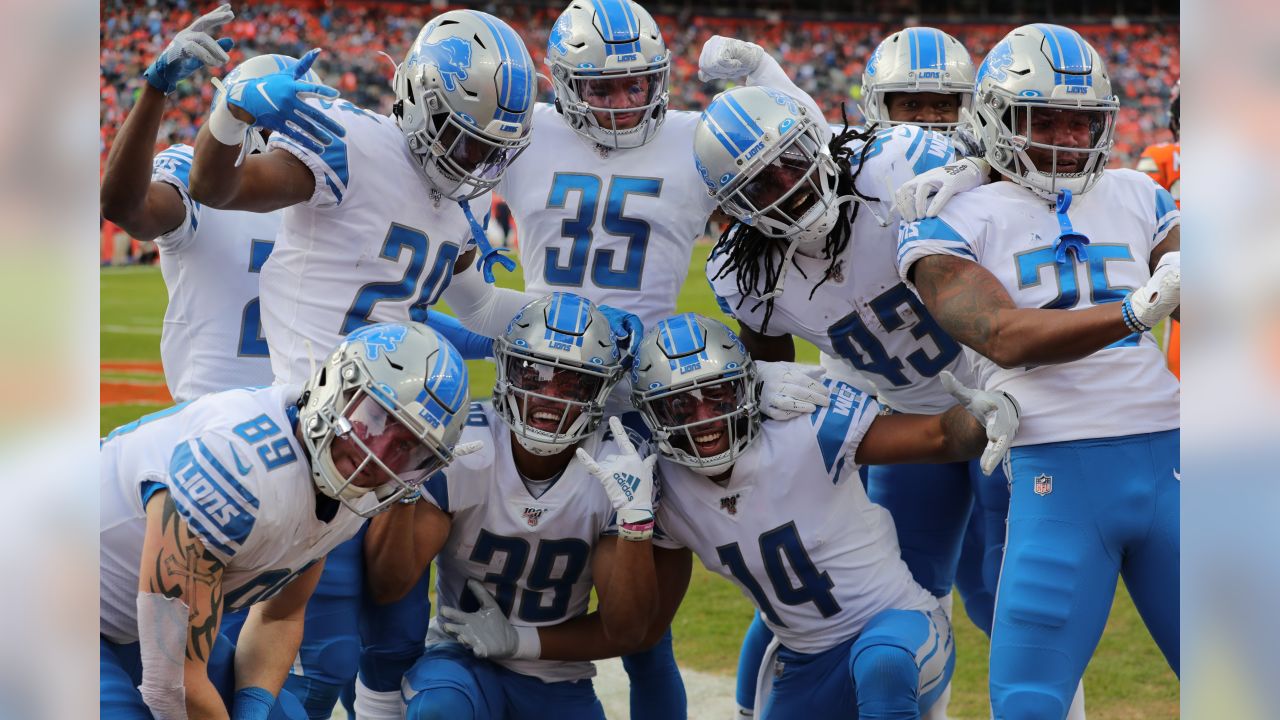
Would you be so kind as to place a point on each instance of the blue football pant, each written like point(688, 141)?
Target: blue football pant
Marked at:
point(120, 674)
point(449, 683)
point(895, 669)
point(1082, 514)
point(930, 507)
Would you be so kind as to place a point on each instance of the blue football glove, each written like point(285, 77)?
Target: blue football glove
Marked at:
point(191, 49)
point(627, 327)
point(277, 102)
point(471, 345)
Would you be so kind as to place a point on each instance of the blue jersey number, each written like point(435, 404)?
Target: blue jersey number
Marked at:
point(1101, 292)
point(398, 239)
point(272, 445)
point(557, 565)
point(580, 228)
point(252, 343)
point(858, 344)
point(781, 548)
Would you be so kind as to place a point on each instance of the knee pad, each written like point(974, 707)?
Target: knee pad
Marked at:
point(317, 697)
point(1040, 590)
point(1029, 705)
point(332, 660)
point(382, 672)
point(441, 703)
point(885, 672)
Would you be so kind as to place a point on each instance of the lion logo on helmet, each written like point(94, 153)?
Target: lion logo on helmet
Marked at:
point(452, 55)
point(998, 61)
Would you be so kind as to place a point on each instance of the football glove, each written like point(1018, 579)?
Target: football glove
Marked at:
point(192, 48)
point(627, 327)
point(487, 632)
point(628, 479)
point(790, 390)
point(277, 102)
point(926, 194)
point(1160, 296)
point(726, 58)
point(998, 413)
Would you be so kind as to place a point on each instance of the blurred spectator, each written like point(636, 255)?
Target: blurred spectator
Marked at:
point(825, 59)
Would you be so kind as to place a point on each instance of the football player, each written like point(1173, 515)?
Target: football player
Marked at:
point(378, 224)
point(526, 529)
point(918, 76)
point(232, 501)
point(1163, 162)
point(212, 336)
point(1002, 269)
point(778, 509)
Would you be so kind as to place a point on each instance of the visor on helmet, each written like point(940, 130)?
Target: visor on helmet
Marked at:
point(372, 447)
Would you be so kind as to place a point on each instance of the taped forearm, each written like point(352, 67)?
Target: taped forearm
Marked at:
point(162, 644)
point(770, 74)
point(484, 308)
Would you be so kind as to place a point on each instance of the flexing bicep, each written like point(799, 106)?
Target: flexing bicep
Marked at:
point(963, 297)
point(767, 348)
point(176, 565)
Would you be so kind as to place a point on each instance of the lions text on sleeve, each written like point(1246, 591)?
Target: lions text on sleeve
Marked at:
point(238, 477)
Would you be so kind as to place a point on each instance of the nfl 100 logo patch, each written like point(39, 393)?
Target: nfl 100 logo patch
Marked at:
point(532, 515)
point(1043, 484)
point(729, 504)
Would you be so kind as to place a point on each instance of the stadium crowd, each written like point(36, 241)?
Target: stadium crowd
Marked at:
point(826, 59)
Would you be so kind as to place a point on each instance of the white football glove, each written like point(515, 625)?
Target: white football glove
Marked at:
point(192, 48)
point(790, 390)
point(487, 632)
point(998, 413)
point(726, 58)
point(926, 194)
point(1160, 296)
point(628, 479)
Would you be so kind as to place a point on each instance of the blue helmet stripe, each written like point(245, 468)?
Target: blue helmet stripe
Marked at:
point(453, 374)
point(931, 52)
point(732, 125)
point(617, 22)
point(1069, 53)
point(513, 90)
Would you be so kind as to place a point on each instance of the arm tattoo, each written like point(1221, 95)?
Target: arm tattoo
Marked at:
point(184, 569)
point(963, 297)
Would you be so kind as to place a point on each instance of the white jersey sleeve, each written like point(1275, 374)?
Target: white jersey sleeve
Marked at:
point(173, 167)
point(330, 167)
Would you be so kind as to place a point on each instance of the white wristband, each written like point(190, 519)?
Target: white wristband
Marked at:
point(528, 644)
point(224, 126)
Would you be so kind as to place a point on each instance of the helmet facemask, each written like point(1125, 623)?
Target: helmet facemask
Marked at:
point(1010, 127)
point(549, 403)
point(579, 92)
point(704, 424)
point(365, 444)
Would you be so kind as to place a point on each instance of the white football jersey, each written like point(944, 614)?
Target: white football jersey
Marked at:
point(1124, 389)
point(533, 554)
point(373, 241)
point(793, 528)
point(864, 317)
point(239, 478)
point(212, 338)
point(615, 226)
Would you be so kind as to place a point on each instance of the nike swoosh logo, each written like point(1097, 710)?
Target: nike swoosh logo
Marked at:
point(244, 469)
point(1177, 476)
point(263, 92)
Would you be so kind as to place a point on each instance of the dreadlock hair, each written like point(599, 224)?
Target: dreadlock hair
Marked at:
point(754, 256)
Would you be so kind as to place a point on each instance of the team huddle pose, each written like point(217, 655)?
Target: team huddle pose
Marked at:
point(977, 419)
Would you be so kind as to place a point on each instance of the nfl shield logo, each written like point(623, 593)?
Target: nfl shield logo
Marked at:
point(531, 516)
point(730, 504)
point(1044, 484)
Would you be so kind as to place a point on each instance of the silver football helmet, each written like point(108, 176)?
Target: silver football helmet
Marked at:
point(557, 363)
point(383, 414)
point(1038, 76)
point(917, 59)
point(695, 386)
point(597, 46)
point(464, 100)
point(763, 158)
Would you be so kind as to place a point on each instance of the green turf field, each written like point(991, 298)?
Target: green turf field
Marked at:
point(1128, 677)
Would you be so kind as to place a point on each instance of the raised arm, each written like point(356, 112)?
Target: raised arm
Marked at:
point(262, 183)
point(179, 610)
point(129, 198)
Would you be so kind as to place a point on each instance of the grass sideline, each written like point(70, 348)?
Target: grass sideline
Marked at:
point(1128, 678)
